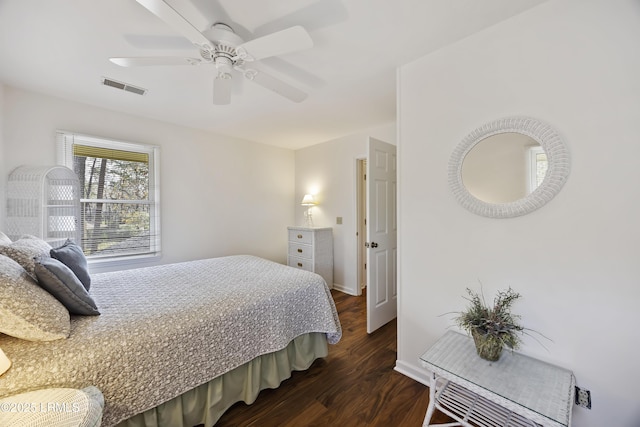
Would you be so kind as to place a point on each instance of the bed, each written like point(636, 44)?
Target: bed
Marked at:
point(177, 344)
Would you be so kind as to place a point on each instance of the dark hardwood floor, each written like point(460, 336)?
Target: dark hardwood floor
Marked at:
point(355, 385)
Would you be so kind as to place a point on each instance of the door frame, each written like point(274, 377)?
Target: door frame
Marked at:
point(361, 227)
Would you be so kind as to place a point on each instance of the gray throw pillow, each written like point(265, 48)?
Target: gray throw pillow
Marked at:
point(71, 255)
point(64, 285)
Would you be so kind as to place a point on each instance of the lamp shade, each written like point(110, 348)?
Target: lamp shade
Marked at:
point(5, 363)
point(308, 200)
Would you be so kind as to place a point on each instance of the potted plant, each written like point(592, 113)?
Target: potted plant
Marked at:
point(492, 328)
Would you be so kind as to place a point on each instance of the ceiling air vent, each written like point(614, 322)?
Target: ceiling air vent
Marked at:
point(123, 86)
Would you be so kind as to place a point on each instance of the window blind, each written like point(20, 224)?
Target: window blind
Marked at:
point(108, 153)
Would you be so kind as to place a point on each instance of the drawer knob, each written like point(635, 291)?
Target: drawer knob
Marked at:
point(299, 236)
point(299, 251)
point(299, 264)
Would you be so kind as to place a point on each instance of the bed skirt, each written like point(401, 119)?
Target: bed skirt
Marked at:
point(206, 403)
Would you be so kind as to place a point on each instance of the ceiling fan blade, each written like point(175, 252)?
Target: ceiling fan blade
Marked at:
point(154, 60)
point(295, 72)
point(279, 43)
point(276, 85)
point(222, 91)
point(169, 15)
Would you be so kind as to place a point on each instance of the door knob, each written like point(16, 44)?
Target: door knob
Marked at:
point(374, 245)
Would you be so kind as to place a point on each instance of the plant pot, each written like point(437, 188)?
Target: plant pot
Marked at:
point(488, 347)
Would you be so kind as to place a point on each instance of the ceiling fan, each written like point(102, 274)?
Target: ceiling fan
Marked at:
point(221, 47)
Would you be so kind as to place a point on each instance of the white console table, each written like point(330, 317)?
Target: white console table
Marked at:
point(517, 390)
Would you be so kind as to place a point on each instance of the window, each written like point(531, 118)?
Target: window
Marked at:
point(120, 212)
point(538, 165)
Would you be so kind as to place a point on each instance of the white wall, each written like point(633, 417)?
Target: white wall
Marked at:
point(574, 64)
point(219, 195)
point(329, 171)
point(3, 172)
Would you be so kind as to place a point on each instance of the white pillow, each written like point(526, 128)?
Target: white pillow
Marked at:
point(26, 310)
point(54, 407)
point(4, 239)
point(24, 250)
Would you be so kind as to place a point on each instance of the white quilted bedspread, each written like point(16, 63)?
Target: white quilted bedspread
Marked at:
point(166, 329)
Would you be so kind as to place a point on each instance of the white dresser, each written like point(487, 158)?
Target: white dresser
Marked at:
point(311, 249)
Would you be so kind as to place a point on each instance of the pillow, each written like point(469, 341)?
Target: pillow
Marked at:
point(72, 256)
point(4, 239)
point(64, 285)
point(53, 407)
point(26, 310)
point(24, 250)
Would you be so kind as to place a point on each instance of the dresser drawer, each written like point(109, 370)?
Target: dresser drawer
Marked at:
point(301, 263)
point(300, 236)
point(300, 251)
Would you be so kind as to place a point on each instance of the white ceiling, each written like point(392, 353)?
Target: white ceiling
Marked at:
point(61, 48)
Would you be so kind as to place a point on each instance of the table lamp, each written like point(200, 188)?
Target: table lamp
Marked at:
point(5, 363)
point(309, 201)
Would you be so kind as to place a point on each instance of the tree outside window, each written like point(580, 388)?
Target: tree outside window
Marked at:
point(119, 211)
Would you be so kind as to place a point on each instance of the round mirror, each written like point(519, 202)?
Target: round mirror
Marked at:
point(508, 167)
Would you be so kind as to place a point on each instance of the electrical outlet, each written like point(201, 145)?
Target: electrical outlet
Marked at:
point(583, 398)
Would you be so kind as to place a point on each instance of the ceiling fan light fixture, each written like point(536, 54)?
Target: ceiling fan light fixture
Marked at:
point(224, 66)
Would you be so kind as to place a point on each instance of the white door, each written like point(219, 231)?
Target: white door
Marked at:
point(381, 235)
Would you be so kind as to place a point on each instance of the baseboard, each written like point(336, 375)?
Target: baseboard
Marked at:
point(414, 372)
point(343, 289)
